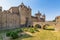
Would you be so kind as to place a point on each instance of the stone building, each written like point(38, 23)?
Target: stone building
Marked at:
point(57, 19)
point(38, 17)
point(18, 17)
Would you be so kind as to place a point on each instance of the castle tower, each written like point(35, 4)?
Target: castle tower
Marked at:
point(38, 15)
point(25, 14)
point(57, 19)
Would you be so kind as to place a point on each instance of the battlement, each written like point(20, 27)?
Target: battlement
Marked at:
point(14, 10)
point(22, 6)
point(39, 15)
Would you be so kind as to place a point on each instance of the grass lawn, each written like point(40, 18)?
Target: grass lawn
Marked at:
point(43, 35)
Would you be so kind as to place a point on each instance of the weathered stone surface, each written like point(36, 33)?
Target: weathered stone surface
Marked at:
point(20, 16)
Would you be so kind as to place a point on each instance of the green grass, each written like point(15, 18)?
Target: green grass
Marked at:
point(44, 35)
point(41, 35)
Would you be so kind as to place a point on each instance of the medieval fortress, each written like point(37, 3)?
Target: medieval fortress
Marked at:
point(20, 16)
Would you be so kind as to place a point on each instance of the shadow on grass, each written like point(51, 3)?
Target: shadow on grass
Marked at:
point(50, 29)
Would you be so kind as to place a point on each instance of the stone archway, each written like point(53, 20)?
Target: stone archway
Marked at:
point(44, 26)
point(48, 27)
point(38, 26)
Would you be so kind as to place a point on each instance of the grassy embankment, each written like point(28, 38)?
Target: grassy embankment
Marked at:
point(41, 35)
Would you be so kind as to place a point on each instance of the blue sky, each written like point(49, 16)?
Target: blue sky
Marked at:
point(51, 8)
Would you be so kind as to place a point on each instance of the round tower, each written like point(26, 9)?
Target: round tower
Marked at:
point(38, 15)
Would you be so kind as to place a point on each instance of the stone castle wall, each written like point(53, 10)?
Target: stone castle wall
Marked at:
point(17, 17)
point(8, 20)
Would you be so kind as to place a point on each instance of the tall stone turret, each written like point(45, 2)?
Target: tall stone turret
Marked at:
point(25, 14)
point(38, 15)
point(57, 19)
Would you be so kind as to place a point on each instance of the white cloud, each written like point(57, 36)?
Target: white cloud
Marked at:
point(5, 4)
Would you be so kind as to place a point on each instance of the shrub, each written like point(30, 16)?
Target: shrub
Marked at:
point(37, 26)
point(8, 34)
point(19, 30)
point(14, 35)
point(25, 29)
point(32, 30)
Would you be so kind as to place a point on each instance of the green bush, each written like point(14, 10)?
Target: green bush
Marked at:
point(19, 30)
point(8, 34)
point(14, 35)
point(25, 29)
point(32, 30)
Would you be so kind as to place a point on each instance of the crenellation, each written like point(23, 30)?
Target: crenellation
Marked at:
point(14, 10)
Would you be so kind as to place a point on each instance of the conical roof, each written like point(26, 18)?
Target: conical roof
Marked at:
point(38, 13)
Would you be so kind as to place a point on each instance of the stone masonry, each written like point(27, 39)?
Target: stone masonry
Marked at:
point(20, 16)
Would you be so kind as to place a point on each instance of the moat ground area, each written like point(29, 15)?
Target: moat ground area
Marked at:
point(40, 35)
point(44, 35)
